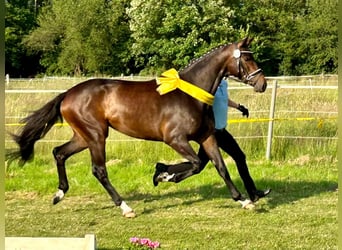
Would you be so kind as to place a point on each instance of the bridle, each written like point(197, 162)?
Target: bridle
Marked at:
point(246, 77)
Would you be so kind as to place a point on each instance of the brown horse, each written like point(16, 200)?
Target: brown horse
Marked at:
point(138, 110)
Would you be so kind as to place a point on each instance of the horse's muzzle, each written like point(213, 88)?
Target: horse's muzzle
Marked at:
point(260, 85)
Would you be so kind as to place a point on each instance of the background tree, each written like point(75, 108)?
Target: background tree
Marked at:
point(315, 51)
point(110, 37)
point(296, 37)
point(271, 23)
point(168, 33)
point(19, 21)
point(81, 37)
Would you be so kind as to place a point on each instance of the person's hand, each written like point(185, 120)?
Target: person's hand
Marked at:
point(244, 110)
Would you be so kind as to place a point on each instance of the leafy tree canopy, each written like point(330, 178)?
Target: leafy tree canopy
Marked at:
point(111, 37)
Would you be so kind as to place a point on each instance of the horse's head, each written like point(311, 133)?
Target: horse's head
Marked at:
point(242, 65)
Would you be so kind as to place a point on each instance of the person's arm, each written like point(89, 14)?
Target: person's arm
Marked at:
point(238, 106)
point(232, 104)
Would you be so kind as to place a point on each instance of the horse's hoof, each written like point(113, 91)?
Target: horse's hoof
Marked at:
point(129, 214)
point(58, 197)
point(165, 177)
point(162, 177)
point(247, 204)
point(160, 168)
point(55, 200)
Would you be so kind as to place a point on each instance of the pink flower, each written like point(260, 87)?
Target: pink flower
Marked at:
point(144, 242)
point(134, 240)
point(154, 244)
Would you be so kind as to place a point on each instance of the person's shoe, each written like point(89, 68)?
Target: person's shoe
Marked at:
point(259, 194)
point(160, 168)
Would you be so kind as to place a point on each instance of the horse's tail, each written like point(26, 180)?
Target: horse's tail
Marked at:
point(36, 126)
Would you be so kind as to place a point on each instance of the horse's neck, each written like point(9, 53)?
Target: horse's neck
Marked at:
point(207, 72)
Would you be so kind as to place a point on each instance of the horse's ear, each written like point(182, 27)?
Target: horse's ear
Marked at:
point(249, 41)
point(245, 42)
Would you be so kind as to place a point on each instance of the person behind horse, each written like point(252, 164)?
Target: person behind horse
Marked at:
point(225, 141)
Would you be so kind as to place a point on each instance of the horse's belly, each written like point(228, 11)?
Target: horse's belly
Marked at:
point(140, 133)
point(132, 126)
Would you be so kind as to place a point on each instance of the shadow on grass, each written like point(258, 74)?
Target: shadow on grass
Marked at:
point(283, 192)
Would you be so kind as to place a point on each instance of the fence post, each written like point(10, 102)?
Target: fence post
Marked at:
point(271, 121)
point(7, 79)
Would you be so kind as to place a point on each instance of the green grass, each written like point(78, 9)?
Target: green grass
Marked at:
point(300, 213)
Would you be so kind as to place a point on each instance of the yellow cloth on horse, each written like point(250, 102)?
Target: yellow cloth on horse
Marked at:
point(170, 81)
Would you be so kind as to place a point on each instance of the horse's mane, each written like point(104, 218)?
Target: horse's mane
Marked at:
point(201, 58)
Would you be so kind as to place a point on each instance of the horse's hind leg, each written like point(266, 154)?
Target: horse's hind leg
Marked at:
point(210, 146)
point(97, 151)
point(61, 154)
point(183, 167)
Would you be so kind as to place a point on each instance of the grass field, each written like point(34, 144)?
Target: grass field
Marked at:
point(300, 213)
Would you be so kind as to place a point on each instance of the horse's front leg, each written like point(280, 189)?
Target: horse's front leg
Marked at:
point(97, 151)
point(213, 152)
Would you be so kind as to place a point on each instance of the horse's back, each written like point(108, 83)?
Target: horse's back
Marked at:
point(127, 106)
point(92, 86)
point(99, 90)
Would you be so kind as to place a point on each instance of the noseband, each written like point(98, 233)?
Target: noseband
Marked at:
point(246, 77)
